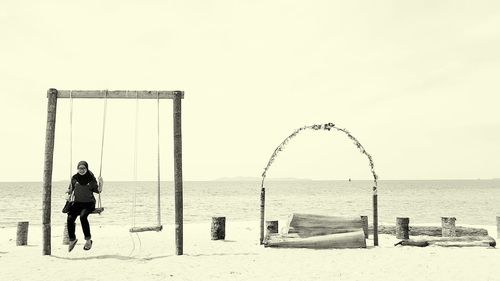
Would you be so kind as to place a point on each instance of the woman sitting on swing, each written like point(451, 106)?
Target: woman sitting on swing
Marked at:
point(83, 185)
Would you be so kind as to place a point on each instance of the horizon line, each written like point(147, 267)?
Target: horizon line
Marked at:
point(249, 179)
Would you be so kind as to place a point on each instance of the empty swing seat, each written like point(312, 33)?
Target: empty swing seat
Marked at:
point(146, 228)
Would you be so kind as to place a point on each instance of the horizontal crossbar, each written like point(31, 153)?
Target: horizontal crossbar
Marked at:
point(146, 228)
point(118, 94)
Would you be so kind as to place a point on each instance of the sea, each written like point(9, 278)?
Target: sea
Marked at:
point(471, 202)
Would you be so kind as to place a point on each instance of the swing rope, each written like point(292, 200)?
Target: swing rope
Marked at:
point(136, 133)
point(158, 151)
point(70, 134)
point(158, 226)
point(99, 205)
point(99, 208)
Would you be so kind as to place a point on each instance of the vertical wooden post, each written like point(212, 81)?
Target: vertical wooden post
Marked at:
point(271, 227)
point(22, 233)
point(47, 170)
point(375, 217)
point(448, 227)
point(262, 207)
point(178, 173)
point(402, 228)
point(364, 221)
point(218, 228)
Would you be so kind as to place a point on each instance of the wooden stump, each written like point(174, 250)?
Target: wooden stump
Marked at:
point(498, 227)
point(218, 228)
point(22, 233)
point(402, 228)
point(364, 220)
point(448, 227)
point(271, 227)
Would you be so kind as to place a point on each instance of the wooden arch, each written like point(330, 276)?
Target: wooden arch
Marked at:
point(326, 127)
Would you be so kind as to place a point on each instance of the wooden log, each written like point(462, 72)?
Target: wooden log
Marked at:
point(465, 241)
point(179, 225)
point(402, 228)
point(386, 229)
point(448, 225)
point(47, 170)
point(432, 231)
point(120, 94)
point(307, 225)
point(218, 228)
point(355, 239)
point(412, 243)
point(22, 233)
point(364, 221)
point(271, 228)
point(146, 228)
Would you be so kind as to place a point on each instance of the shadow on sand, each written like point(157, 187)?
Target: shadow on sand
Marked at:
point(222, 254)
point(125, 258)
point(117, 257)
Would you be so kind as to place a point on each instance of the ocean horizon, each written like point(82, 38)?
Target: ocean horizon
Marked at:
point(472, 201)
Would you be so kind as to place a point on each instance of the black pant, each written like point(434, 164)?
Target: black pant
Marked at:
point(82, 209)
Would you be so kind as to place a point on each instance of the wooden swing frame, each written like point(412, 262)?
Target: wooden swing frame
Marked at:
point(53, 95)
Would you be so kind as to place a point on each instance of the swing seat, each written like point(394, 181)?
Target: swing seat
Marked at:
point(98, 210)
point(146, 228)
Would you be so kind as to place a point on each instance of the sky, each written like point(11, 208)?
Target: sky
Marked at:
point(415, 81)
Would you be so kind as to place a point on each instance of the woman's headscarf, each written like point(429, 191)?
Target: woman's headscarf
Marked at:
point(87, 177)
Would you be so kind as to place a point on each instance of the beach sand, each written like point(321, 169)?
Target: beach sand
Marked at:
point(239, 257)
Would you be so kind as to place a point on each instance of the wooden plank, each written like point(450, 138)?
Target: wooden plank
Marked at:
point(98, 210)
point(146, 228)
point(47, 170)
point(117, 94)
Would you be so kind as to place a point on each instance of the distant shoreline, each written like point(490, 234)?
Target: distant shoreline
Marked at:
point(259, 179)
point(255, 179)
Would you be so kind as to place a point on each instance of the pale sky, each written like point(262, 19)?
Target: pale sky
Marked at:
point(415, 81)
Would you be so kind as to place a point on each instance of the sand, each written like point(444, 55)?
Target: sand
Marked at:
point(119, 255)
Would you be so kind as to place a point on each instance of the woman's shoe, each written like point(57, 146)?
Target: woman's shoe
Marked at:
point(72, 244)
point(88, 245)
